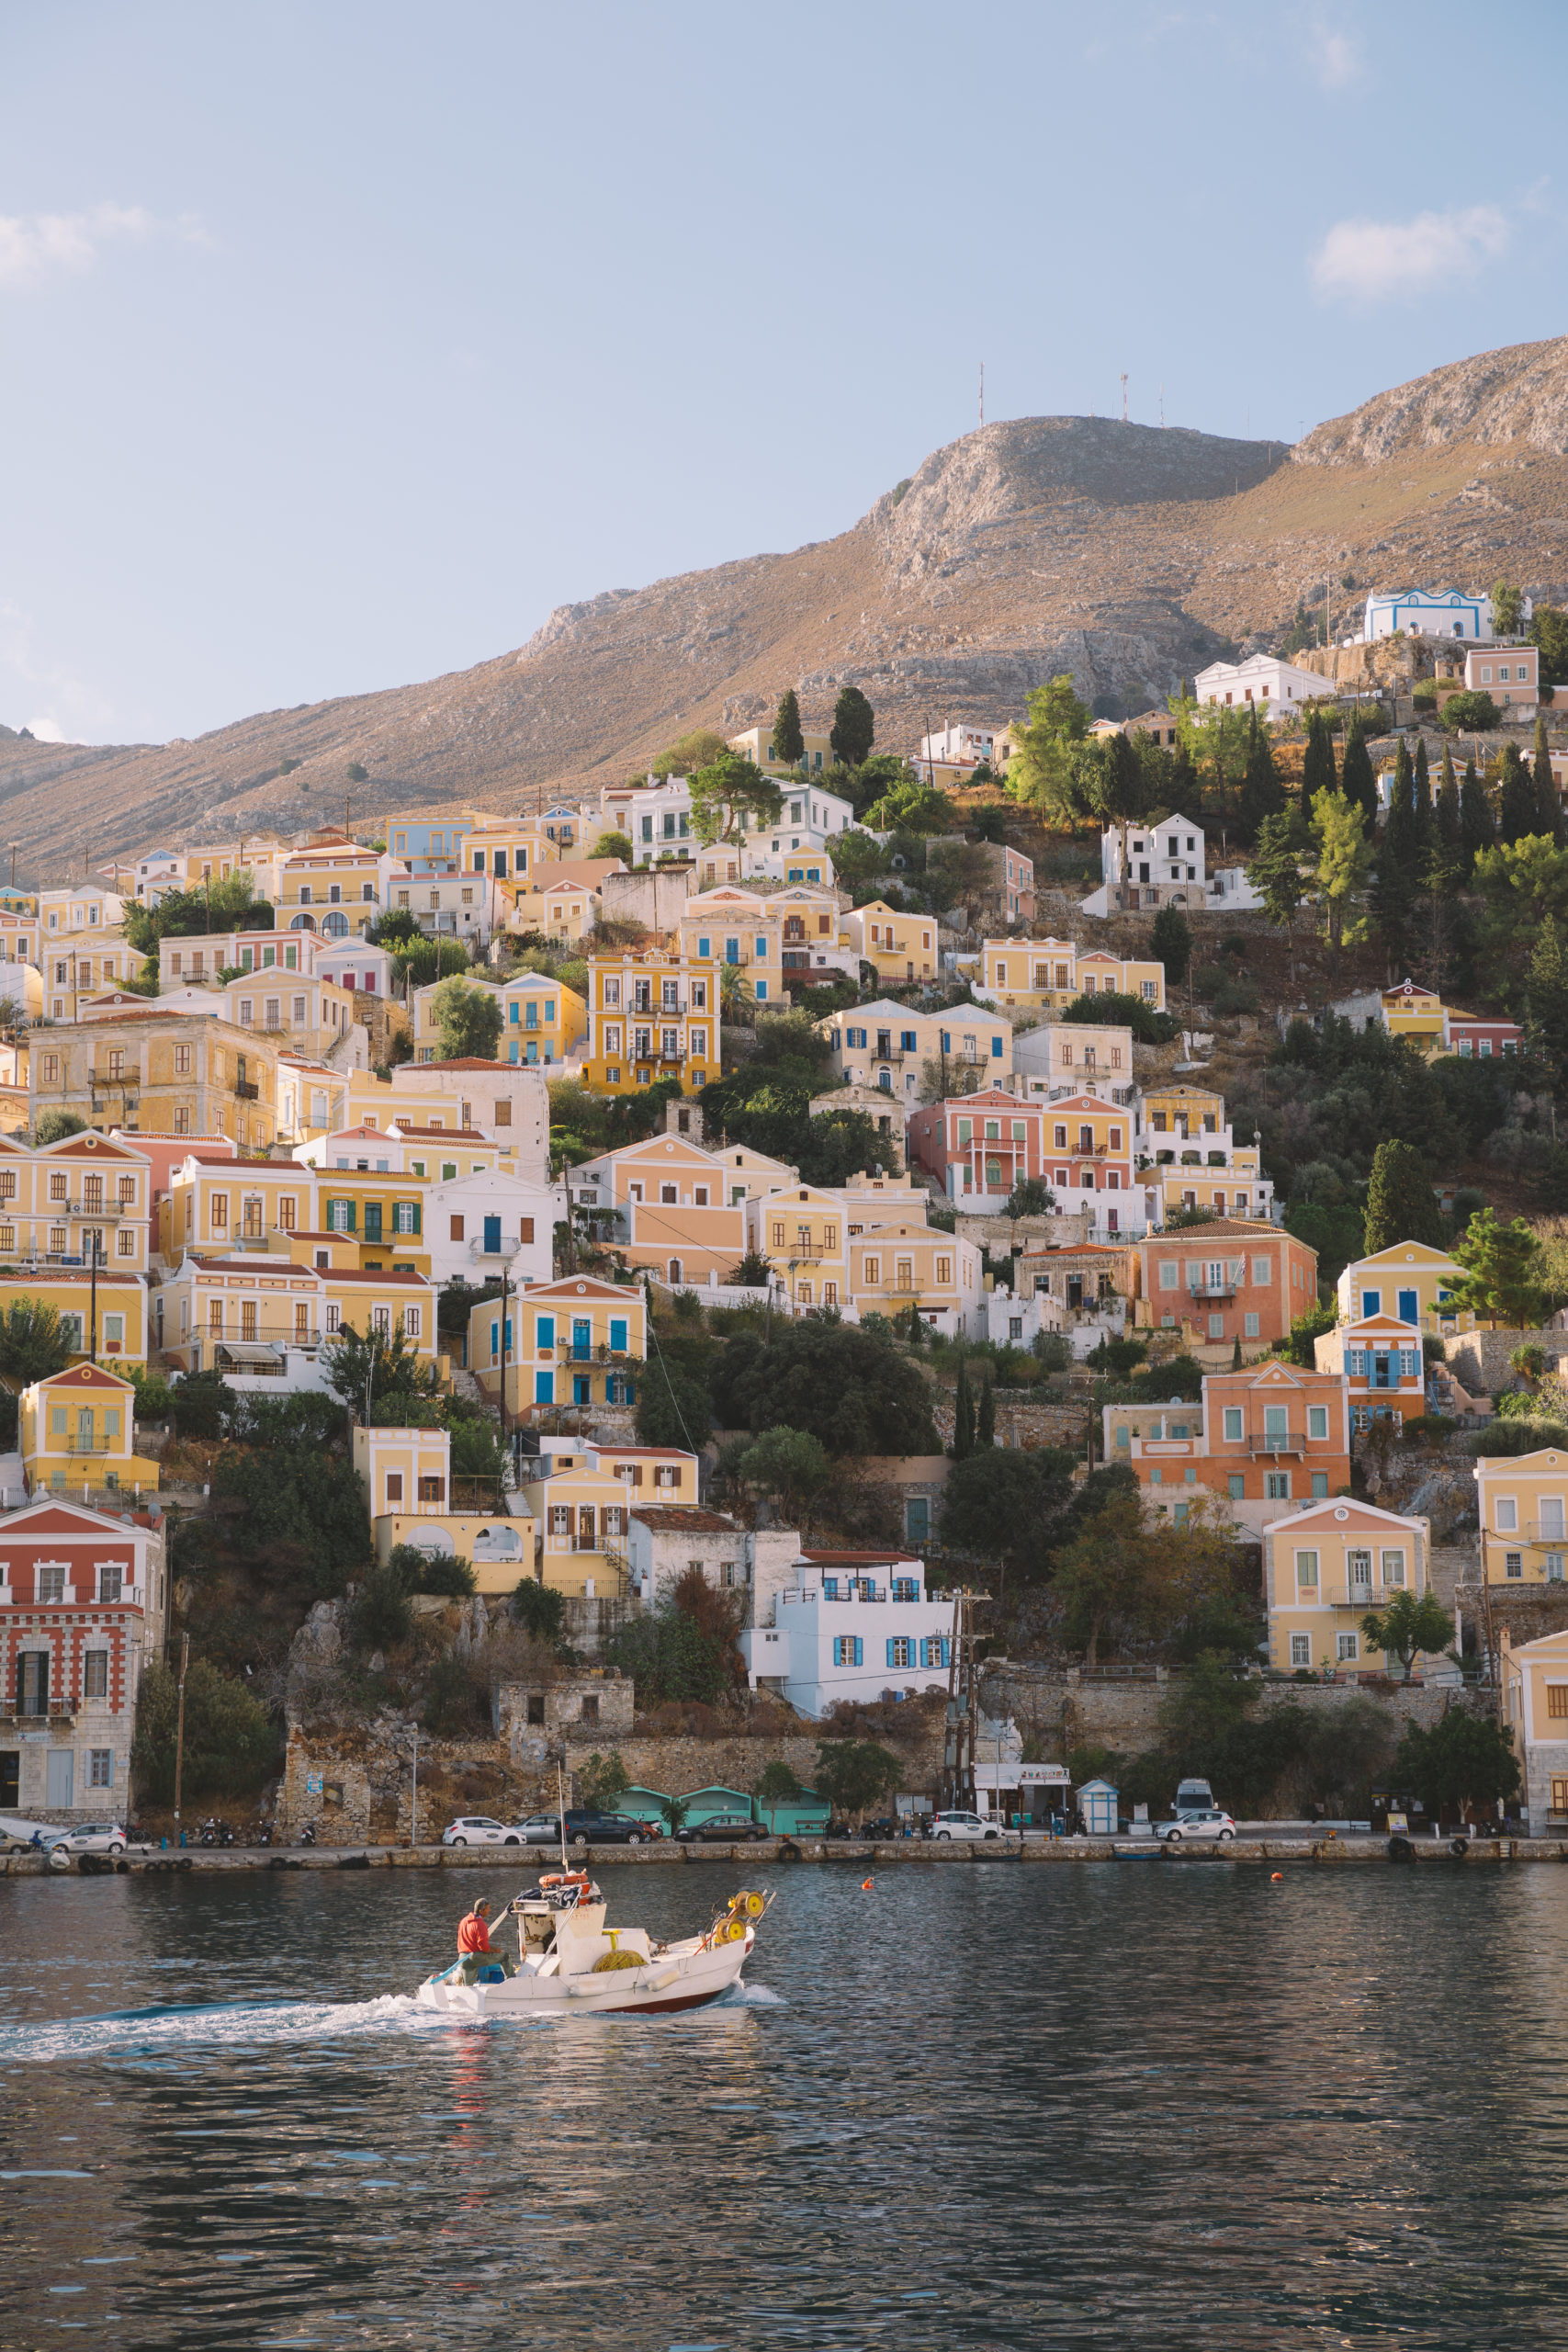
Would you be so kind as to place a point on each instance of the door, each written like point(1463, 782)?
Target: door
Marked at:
point(581, 1337)
point(1074, 1293)
point(84, 1428)
point(581, 1388)
point(1410, 1307)
point(1276, 1426)
point(10, 1779)
point(493, 1237)
point(372, 1220)
point(59, 1772)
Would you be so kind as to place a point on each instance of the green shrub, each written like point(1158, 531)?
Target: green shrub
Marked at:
point(1511, 1437)
point(451, 1701)
point(381, 1617)
point(1429, 1429)
point(230, 1743)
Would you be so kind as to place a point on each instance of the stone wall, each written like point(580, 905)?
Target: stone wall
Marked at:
point(1064, 1714)
point(1479, 1359)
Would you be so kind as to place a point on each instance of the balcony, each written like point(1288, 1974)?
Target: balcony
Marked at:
point(1226, 1289)
point(1273, 1442)
point(82, 1443)
point(246, 1092)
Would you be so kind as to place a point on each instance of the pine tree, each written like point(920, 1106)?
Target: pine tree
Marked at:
point(963, 1415)
point(1516, 799)
point(1546, 1015)
point(789, 743)
point(1478, 829)
point(1338, 832)
point(1401, 1204)
point(985, 1421)
point(1261, 794)
point(1547, 809)
point(1359, 783)
point(1448, 816)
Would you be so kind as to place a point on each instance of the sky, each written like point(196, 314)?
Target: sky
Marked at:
point(341, 343)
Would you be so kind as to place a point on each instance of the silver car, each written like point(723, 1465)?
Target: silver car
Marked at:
point(1209, 1823)
point(91, 1837)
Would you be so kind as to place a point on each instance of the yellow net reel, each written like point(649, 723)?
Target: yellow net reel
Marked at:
point(731, 1931)
point(753, 1906)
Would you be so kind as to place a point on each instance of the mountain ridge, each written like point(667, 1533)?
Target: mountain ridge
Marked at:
point(1129, 555)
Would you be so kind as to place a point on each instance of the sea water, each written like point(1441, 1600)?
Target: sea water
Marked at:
point(1174, 2105)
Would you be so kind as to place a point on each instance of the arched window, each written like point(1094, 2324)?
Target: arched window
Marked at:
point(303, 922)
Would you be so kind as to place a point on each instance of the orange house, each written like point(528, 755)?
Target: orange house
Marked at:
point(1232, 1278)
point(1262, 1441)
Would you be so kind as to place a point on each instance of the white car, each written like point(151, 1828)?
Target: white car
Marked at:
point(1210, 1823)
point(90, 1837)
point(962, 1824)
point(479, 1830)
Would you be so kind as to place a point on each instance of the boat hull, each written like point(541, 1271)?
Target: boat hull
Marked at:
point(685, 1982)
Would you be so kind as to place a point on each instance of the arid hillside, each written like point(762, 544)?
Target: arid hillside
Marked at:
point(1127, 554)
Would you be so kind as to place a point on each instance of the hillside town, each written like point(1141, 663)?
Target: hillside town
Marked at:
point(636, 1271)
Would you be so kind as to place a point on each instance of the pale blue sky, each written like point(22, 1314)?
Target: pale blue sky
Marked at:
point(343, 340)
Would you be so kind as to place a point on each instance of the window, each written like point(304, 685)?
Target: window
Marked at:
point(51, 1580)
point(100, 1768)
point(1557, 1702)
point(411, 1322)
point(1507, 1515)
point(1236, 1485)
point(901, 1649)
point(934, 1649)
point(181, 1061)
point(1300, 1649)
point(96, 1674)
point(1306, 1570)
point(1277, 1486)
point(1263, 1269)
point(1317, 1421)
point(1513, 1563)
point(848, 1649)
point(1249, 1326)
point(1347, 1648)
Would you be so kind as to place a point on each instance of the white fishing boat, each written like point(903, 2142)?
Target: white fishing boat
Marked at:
point(569, 1962)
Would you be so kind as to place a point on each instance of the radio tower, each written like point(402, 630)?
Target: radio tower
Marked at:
point(1123, 396)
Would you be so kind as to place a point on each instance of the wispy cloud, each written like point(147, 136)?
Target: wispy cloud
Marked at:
point(1368, 261)
point(36, 246)
point(1338, 58)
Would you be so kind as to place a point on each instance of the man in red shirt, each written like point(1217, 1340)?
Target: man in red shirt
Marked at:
point(473, 1932)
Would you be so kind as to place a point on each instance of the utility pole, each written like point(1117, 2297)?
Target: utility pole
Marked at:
point(414, 1801)
point(180, 1732)
point(1123, 396)
point(1162, 408)
point(15, 846)
point(93, 1286)
point(982, 396)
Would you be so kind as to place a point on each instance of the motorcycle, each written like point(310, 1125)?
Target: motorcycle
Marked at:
point(307, 1833)
point(216, 1833)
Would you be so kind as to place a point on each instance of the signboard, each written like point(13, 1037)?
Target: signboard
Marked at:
point(312, 1784)
point(989, 1775)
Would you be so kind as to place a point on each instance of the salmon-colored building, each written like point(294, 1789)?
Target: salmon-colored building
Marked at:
point(1231, 1278)
point(1261, 1441)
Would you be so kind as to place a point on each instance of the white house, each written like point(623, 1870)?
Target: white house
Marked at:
point(479, 1226)
point(356, 964)
point(1016, 1322)
point(856, 1625)
point(953, 756)
point(1425, 612)
point(1166, 867)
point(1276, 688)
point(1072, 1058)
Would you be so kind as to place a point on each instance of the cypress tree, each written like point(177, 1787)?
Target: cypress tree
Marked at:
point(1448, 816)
point(1516, 799)
point(789, 743)
point(1421, 798)
point(1357, 781)
point(1546, 1016)
point(1547, 809)
point(1261, 790)
point(1317, 763)
point(854, 727)
point(963, 1415)
point(1393, 884)
point(986, 1422)
point(1401, 1204)
point(1477, 828)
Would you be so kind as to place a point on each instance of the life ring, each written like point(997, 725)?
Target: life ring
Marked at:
point(564, 1878)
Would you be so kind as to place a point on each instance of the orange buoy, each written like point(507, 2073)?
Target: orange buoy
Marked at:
point(865, 1886)
point(1277, 1878)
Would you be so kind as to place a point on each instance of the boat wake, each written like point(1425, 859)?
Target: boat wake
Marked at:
point(159, 2032)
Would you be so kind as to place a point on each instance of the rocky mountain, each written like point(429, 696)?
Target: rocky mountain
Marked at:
point(1129, 555)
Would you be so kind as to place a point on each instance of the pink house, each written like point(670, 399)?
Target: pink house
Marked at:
point(978, 1145)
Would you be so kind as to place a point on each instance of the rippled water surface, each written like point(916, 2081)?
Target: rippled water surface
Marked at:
point(1135, 2105)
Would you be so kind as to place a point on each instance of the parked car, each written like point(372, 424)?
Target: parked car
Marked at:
point(961, 1824)
point(585, 1827)
point(479, 1830)
point(724, 1828)
point(90, 1837)
point(1210, 1823)
point(540, 1830)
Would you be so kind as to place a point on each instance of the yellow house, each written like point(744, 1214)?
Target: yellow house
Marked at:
point(651, 1015)
point(313, 1097)
point(77, 1430)
point(212, 1310)
point(229, 1205)
point(899, 947)
point(68, 1201)
point(756, 744)
point(1411, 1281)
point(159, 1074)
point(1186, 1147)
point(1535, 1707)
point(385, 1301)
point(120, 1302)
point(576, 1341)
point(566, 911)
point(898, 1266)
point(510, 850)
point(579, 1531)
point(888, 1045)
point(1520, 1501)
point(541, 1020)
point(296, 1010)
point(801, 1230)
point(1030, 975)
point(384, 1212)
point(335, 887)
point(1328, 1566)
point(406, 1473)
point(1415, 1013)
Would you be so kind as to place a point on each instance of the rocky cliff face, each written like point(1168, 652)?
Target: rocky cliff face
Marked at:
point(1127, 555)
point(1519, 395)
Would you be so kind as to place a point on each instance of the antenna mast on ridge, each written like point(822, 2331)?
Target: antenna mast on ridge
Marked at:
point(1162, 406)
point(982, 395)
point(1123, 396)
